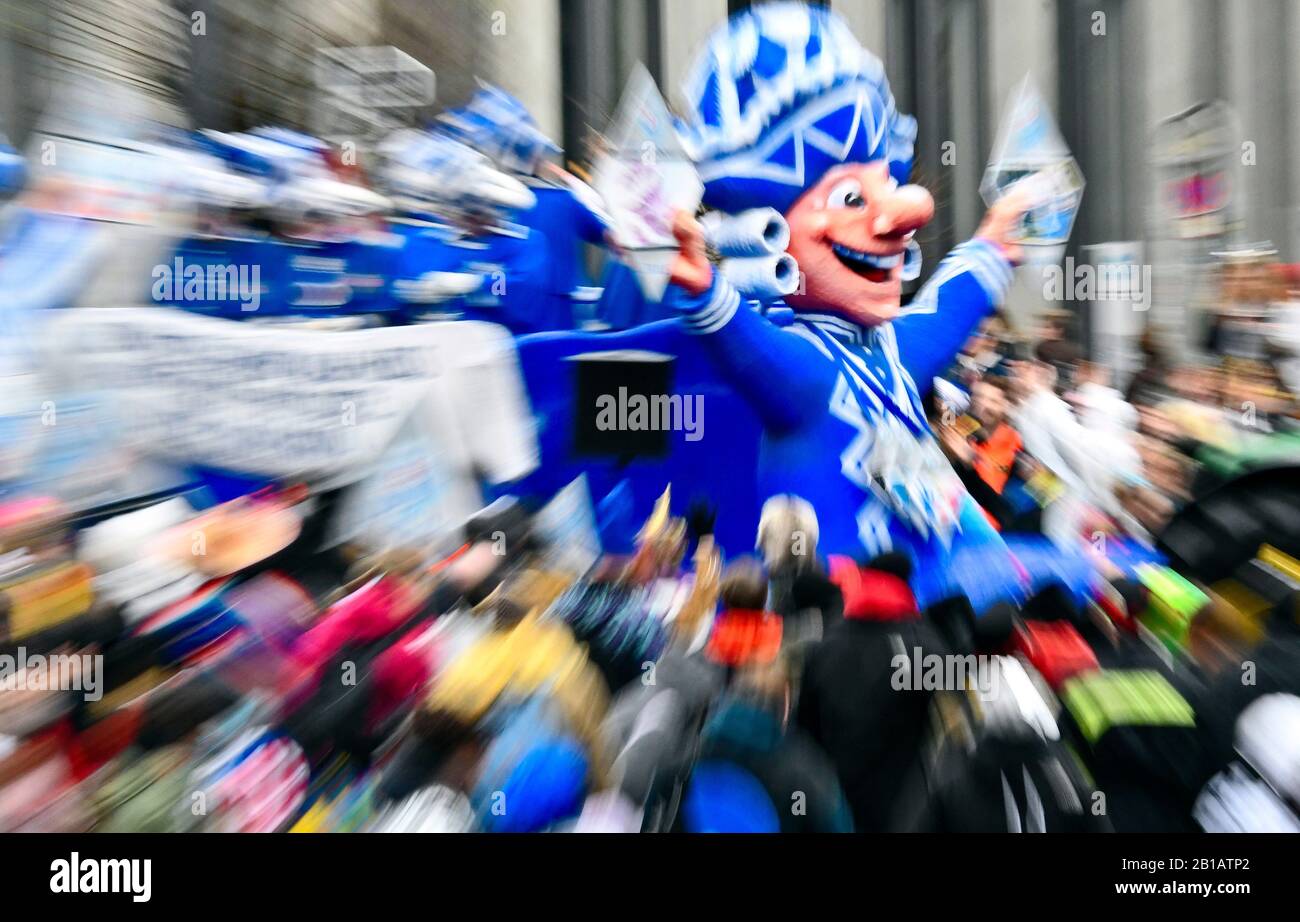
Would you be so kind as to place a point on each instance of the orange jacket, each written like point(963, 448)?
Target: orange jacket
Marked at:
point(996, 456)
point(743, 637)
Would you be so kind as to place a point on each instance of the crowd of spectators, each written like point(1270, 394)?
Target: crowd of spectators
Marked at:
point(1047, 440)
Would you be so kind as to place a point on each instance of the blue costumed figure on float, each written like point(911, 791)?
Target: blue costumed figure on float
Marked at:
point(567, 214)
point(788, 111)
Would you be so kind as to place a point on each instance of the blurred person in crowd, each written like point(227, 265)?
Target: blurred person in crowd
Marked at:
point(499, 540)
point(991, 345)
point(1004, 767)
point(850, 702)
point(750, 745)
point(1284, 330)
point(534, 774)
point(148, 788)
point(521, 659)
point(652, 731)
point(1055, 346)
point(1139, 734)
point(693, 616)
point(660, 546)
point(1195, 408)
point(1249, 286)
point(985, 451)
point(1053, 438)
point(787, 541)
point(1154, 423)
point(744, 632)
point(468, 253)
point(1220, 637)
point(1220, 419)
point(1149, 380)
point(801, 592)
point(1110, 422)
point(1090, 448)
point(1166, 474)
point(1143, 719)
point(1253, 400)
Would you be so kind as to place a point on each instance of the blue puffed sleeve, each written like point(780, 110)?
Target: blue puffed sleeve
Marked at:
point(968, 285)
point(786, 379)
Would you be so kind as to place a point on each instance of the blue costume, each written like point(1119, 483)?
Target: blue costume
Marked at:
point(782, 94)
point(843, 422)
point(516, 277)
point(247, 273)
point(563, 218)
point(565, 221)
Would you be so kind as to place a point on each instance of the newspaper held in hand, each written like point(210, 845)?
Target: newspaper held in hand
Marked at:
point(1030, 152)
point(645, 178)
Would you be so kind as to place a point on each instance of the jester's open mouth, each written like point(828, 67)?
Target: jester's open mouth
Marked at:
point(871, 266)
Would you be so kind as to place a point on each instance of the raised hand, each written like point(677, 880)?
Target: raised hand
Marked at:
point(1002, 222)
point(692, 270)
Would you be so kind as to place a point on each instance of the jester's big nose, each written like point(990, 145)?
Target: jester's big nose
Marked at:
point(896, 213)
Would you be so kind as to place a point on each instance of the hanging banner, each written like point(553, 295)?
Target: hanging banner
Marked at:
point(283, 402)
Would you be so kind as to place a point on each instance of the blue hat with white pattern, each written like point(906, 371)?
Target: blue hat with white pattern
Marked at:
point(780, 94)
point(497, 124)
point(434, 168)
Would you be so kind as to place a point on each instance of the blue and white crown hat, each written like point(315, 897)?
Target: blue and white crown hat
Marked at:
point(778, 96)
point(259, 156)
point(298, 179)
point(209, 181)
point(200, 171)
point(435, 168)
point(294, 139)
point(498, 125)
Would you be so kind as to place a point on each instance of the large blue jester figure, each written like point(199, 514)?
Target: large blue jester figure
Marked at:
point(789, 111)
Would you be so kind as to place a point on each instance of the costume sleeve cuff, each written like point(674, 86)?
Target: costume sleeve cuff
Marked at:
point(985, 260)
point(710, 311)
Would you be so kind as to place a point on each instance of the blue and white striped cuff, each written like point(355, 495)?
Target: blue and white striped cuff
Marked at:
point(722, 305)
point(984, 260)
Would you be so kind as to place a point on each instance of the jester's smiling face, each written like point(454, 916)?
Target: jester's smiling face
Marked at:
point(849, 234)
